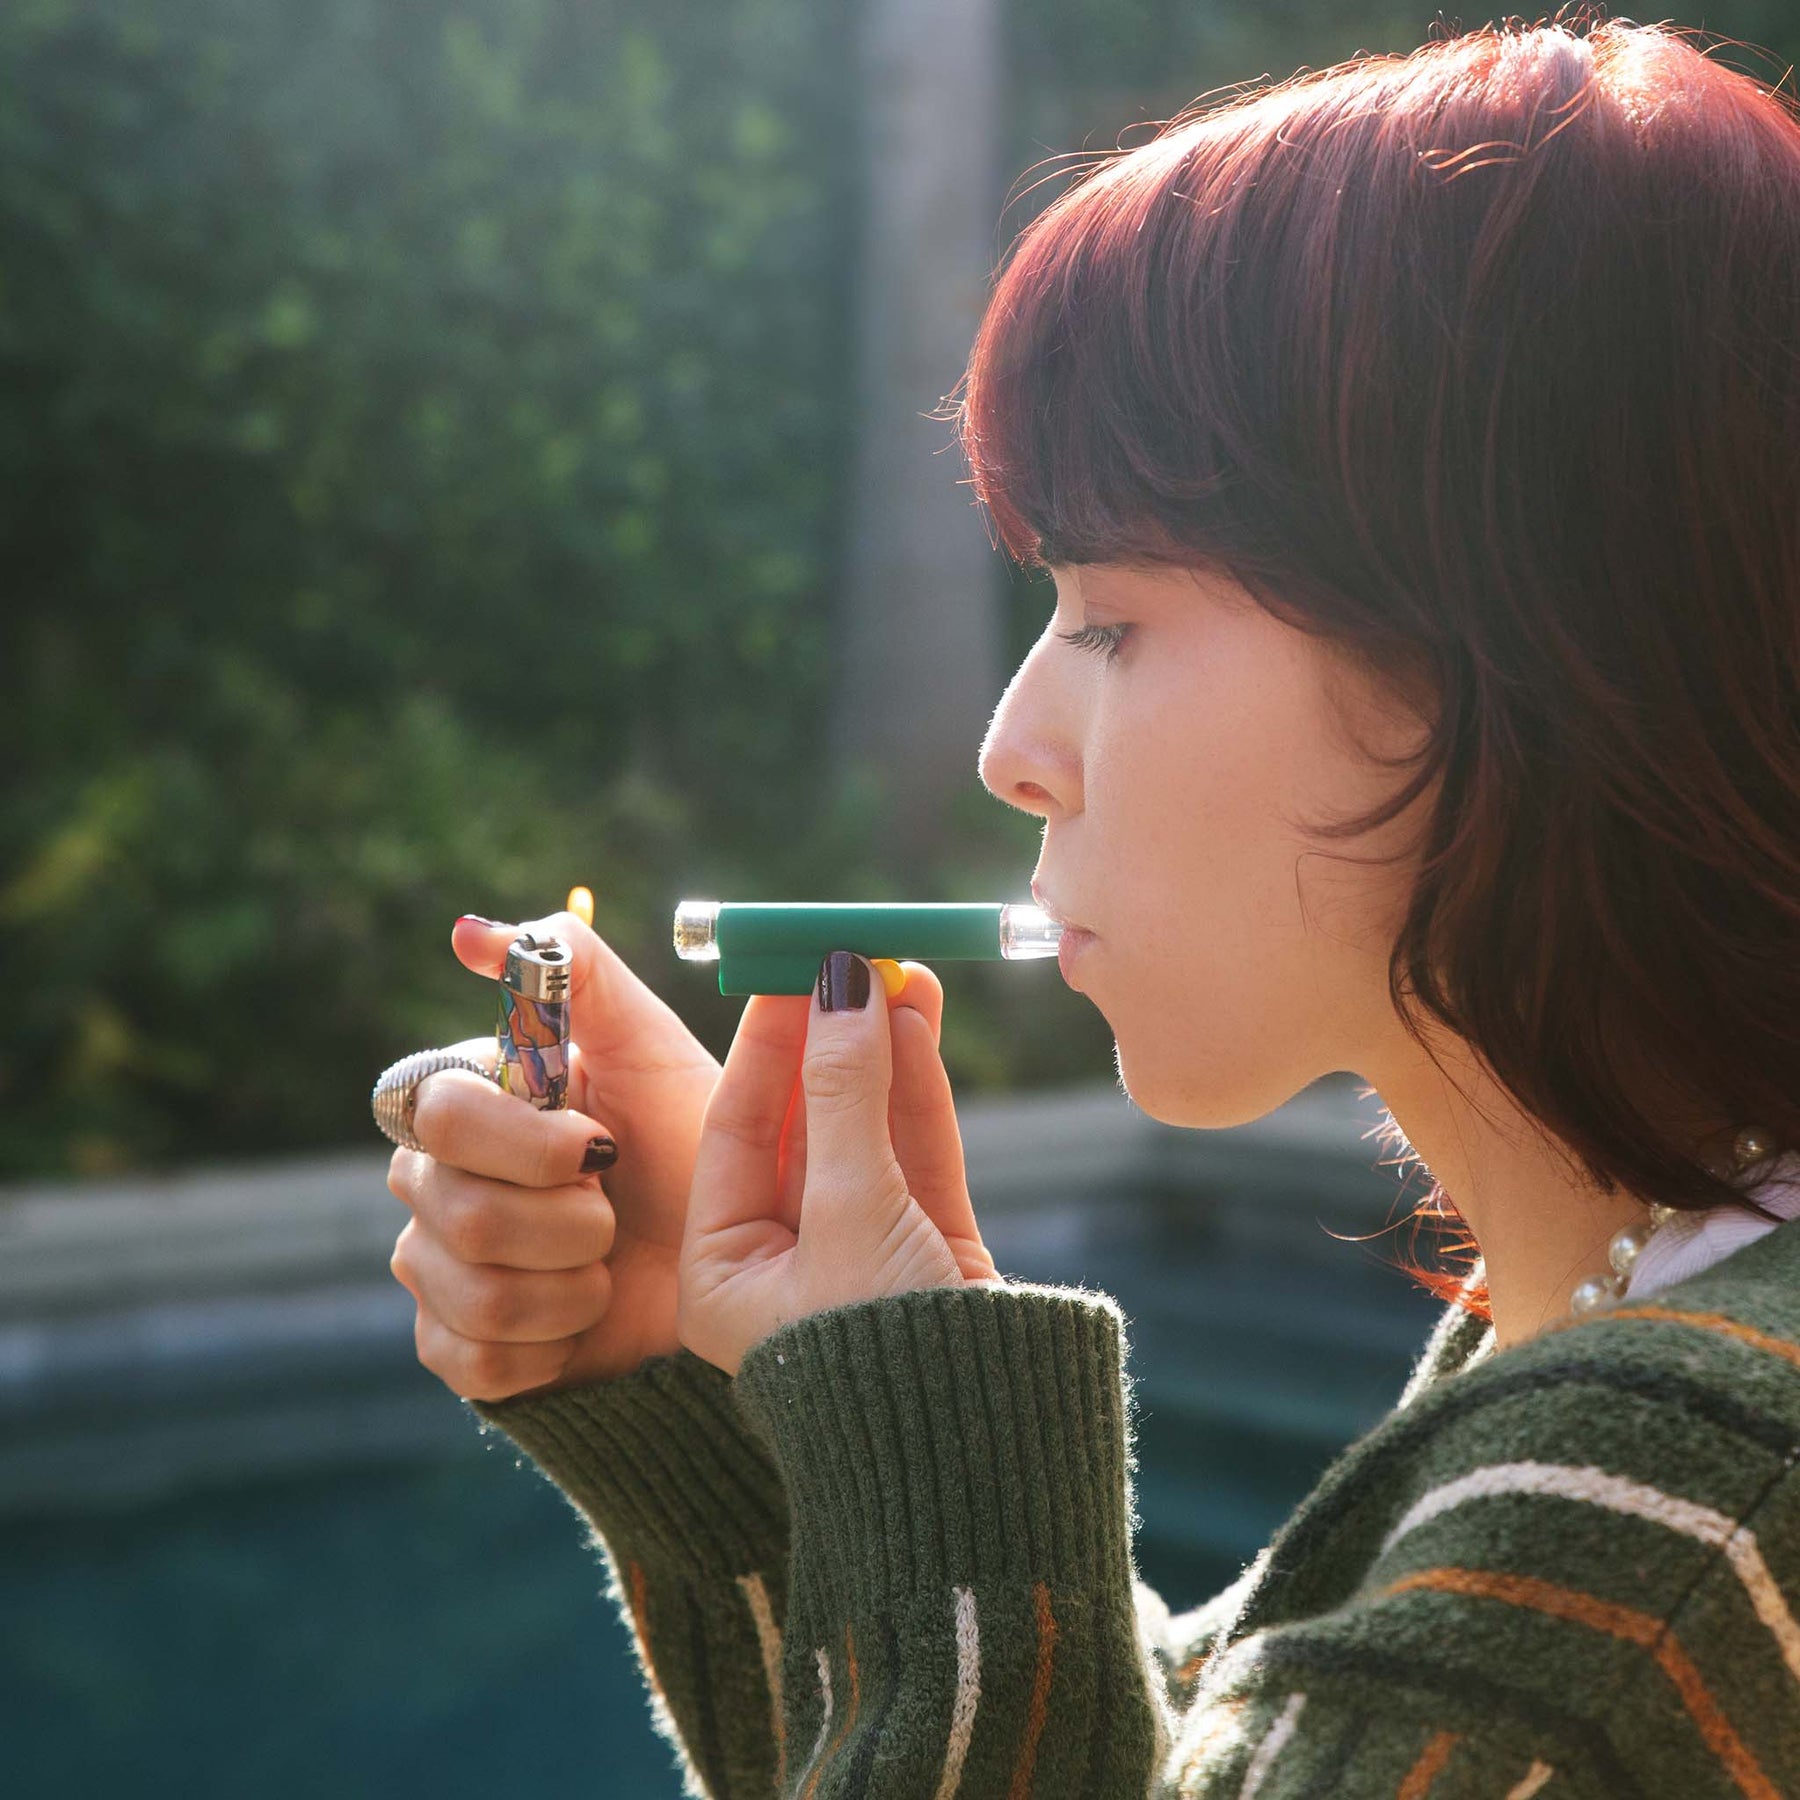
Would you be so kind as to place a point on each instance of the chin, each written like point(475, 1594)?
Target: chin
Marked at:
point(1174, 1093)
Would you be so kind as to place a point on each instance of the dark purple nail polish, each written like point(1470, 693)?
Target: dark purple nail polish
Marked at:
point(843, 982)
point(602, 1153)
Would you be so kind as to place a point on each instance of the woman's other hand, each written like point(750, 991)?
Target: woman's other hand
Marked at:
point(830, 1166)
point(529, 1274)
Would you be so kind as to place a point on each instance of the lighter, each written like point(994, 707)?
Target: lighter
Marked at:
point(775, 946)
point(533, 1023)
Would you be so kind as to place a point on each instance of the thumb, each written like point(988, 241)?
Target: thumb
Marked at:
point(480, 944)
point(846, 1072)
point(611, 1010)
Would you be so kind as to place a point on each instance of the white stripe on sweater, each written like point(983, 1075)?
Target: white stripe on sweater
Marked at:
point(968, 1693)
point(1597, 1488)
point(818, 1748)
point(1266, 1752)
point(769, 1639)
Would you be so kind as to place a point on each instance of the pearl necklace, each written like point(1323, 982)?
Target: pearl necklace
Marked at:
point(1600, 1291)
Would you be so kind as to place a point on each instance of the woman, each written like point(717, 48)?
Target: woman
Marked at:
point(1413, 448)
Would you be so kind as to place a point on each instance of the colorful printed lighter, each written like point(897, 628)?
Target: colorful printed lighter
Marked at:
point(775, 946)
point(533, 1023)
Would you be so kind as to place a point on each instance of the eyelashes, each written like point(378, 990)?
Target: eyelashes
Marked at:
point(1097, 637)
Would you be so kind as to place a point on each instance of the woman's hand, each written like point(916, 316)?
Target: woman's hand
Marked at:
point(830, 1167)
point(529, 1275)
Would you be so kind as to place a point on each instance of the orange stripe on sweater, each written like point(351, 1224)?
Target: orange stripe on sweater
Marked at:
point(1721, 1323)
point(1020, 1786)
point(1623, 1622)
point(756, 1595)
point(843, 1730)
point(640, 1625)
point(1425, 1771)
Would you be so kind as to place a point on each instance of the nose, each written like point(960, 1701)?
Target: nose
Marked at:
point(1028, 758)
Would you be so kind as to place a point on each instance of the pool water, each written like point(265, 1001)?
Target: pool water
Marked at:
point(438, 1627)
point(435, 1631)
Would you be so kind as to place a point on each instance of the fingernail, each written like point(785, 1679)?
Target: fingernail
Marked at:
point(477, 919)
point(602, 1153)
point(893, 977)
point(843, 982)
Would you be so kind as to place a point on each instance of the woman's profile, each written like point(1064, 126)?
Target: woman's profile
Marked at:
point(1414, 445)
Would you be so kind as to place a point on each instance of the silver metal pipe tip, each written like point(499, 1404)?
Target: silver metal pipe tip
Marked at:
point(1028, 931)
point(696, 930)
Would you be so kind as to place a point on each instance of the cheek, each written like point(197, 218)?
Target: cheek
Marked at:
point(1194, 797)
point(1232, 988)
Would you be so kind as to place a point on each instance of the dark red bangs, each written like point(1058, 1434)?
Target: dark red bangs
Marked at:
point(1078, 446)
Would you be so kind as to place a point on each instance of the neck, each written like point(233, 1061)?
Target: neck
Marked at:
point(1541, 1226)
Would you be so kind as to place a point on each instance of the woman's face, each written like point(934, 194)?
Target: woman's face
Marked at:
point(1234, 961)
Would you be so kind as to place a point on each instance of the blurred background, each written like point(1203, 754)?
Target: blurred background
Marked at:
point(450, 452)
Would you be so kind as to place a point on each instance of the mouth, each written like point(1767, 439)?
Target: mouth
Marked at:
point(1055, 912)
point(1073, 942)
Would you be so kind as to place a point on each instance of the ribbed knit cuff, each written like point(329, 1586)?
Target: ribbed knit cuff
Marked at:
point(952, 1434)
point(663, 1463)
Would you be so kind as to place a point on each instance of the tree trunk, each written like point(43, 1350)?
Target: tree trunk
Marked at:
point(919, 643)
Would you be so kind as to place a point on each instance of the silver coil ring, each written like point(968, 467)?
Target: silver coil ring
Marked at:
point(396, 1090)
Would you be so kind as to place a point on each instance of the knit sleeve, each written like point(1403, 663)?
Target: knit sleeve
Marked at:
point(686, 1511)
point(964, 1618)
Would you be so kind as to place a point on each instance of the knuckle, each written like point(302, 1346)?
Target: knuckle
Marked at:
point(577, 1302)
point(399, 1172)
point(400, 1263)
point(493, 1306)
point(930, 1169)
point(435, 1348)
point(597, 1296)
point(755, 1130)
point(469, 1228)
point(606, 1228)
point(437, 1111)
point(488, 1372)
point(932, 1106)
point(832, 1075)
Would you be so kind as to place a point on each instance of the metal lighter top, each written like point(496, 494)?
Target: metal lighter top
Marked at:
point(532, 1024)
point(537, 968)
point(774, 946)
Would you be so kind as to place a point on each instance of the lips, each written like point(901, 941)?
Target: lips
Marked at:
point(1055, 912)
point(1069, 948)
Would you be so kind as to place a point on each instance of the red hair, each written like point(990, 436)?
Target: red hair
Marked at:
point(1482, 364)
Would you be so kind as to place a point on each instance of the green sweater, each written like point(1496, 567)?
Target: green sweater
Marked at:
point(893, 1558)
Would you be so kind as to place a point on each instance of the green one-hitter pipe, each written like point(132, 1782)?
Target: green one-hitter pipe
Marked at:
point(776, 946)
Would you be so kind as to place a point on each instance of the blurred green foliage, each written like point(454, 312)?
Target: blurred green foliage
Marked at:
point(422, 447)
point(420, 482)
point(418, 459)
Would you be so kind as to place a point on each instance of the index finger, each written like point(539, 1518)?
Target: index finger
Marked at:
point(463, 1119)
point(736, 1168)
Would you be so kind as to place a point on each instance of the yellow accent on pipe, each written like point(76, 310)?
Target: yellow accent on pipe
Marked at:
point(893, 977)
